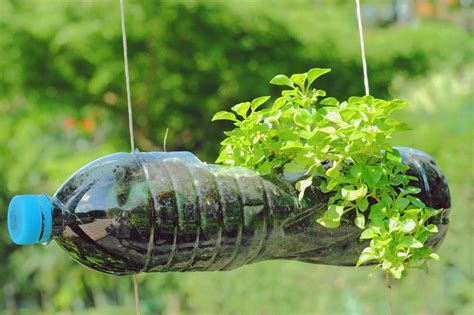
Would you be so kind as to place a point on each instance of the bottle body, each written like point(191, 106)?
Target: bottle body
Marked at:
point(147, 212)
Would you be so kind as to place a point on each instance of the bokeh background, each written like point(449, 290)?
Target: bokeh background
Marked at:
point(63, 104)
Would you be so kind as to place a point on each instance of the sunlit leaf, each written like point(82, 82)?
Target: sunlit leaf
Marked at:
point(302, 185)
point(282, 79)
point(349, 193)
point(224, 116)
point(302, 118)
point(366, 255)
point(299, 79)
point(241, 109)
point(315, 73)
point(259, 101)
point(360, 221)
point(409, 225)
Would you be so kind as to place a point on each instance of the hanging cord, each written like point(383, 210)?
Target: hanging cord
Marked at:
point(367, 92)
point(127, 80)
point(130, 128)
point(362, 48)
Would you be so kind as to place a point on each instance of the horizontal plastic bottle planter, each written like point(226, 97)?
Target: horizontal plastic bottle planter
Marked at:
point(156, 212)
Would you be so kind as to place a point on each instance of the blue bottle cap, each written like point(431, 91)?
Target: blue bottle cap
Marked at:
point(30, 219)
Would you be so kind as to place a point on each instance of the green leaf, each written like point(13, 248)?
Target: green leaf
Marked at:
point(299, 79)
point(368, 234)
point(330, 101)
point(222, 156)
point(410, 190)
point(360, 221)
point(411, 211)
point(241, 109)
point(387, 200)
point(432, 228)
point(292, 145)
point(355, 100)
point(302, 118)
point(434, 256)
point(402, 254)
point(282, 79)
point(402, 203)
point(315, 73)
point(302, 185)
point(259, 101)
point(371, 175)
point(334, 212)
point(292, 169)
point(332, 183)
point(273, 117)
point(265, 168)
point(223, 115)
point(333, 172)
point(393, 155)
point(423, 236)
point(351, 194)
point(417, 202)
point(279, 102)
point(334, 117)
point(290, 93)
point(319, 93)
point(397, 270)
point(409, 225)
point(377, 211)
point(307, 134)
point(382, 126)
point(356, 170)
point(328, 223)
point(363, 204)
point(399, 180)
point(393, 225)
point(386, 265)
point(329, 129)
point(366, 255)
point(411, 242)
point(357, 135)
point(257, 156)
point(231, 141)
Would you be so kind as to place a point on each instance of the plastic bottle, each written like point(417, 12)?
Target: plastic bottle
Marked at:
point(145, 212)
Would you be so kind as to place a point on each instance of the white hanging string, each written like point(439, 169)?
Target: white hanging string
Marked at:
point(362, 48)
point(130, 128)
point(367, 92)
point(127, 80)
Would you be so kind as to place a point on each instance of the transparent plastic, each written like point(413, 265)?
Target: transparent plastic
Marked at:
point(155, 212)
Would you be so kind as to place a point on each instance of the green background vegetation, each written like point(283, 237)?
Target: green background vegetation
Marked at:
point(62, 104)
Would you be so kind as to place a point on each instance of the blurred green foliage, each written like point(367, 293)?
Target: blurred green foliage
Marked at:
point(62, 104)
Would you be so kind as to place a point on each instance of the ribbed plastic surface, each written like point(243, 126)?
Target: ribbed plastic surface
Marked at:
point(128, 213)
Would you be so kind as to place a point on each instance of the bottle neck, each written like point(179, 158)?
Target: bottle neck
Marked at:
point(59, 218)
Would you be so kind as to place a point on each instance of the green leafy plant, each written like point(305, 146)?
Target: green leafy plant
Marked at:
point(346, 144)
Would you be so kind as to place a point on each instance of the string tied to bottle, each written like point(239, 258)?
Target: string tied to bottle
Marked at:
point(127, 78)
point(130, 126)
point(362, 47)
point(367, 92)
